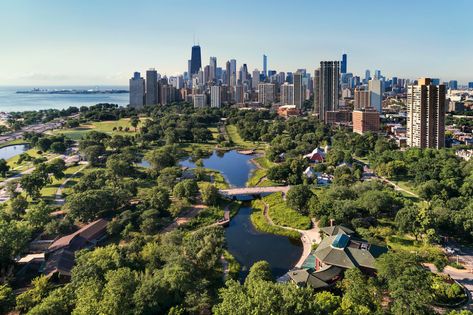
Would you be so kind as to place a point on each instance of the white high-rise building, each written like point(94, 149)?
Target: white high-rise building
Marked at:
point(255, 79)
point(287, 94)
point(200, 100)
point(137, 90)
point(215, 96)
point(376, 89)
point(266, 93)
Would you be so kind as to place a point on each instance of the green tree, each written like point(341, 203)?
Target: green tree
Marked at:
point(298, 198)
point(86, 206)
point(38, 215)
point(94, 153)
point(118, 292)
point(261, 270)
point(7, 298)
point(160, 158)
point(17, 206)
point(34, 182)
point(134, 121)
point(4, 167)
point(186, 189)
point(27, 300)
point(209, 194)
point(14, 237)
point(407, 220)
point(360, 295)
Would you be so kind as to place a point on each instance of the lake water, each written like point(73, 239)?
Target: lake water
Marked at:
point(12, 150)
point(236, 168)
point(10, 101)
point(245, 243)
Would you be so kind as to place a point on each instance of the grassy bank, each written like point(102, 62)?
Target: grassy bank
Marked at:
point(232, 132)
point(281, 214)
point(261, 224)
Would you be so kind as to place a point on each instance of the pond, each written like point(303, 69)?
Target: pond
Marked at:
point(244, 242)
point(12, 150)
point(236, 168)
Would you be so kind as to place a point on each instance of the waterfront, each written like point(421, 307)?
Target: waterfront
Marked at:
point(12, 150)
point(244, 242)
point(10, 101)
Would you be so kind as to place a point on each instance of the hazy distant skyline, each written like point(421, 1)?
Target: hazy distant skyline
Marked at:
point(53, 42)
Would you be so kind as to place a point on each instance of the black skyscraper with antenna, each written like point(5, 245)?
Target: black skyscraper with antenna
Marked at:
point(196, 62)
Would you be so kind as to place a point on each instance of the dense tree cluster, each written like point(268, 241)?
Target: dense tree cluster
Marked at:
point(175, 273)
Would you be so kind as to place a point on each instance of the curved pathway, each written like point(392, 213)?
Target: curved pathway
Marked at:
point(58, 199)
point(308, 237)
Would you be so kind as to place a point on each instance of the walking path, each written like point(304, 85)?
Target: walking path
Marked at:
point(58, 199)
point(184, 217)
point(308, 237)
point(254, 190)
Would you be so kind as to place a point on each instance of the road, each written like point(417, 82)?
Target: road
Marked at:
point(38, 128)
point(3, 192)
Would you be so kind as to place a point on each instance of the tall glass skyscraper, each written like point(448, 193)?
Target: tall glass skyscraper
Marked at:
point(196, 62)
point(265, 65)
point(343, 66)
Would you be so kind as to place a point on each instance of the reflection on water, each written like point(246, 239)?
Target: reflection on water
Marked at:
point(12, 150)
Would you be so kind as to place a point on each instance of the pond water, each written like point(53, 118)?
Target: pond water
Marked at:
point(236, 168)
point(12, 150)
point(244, 242)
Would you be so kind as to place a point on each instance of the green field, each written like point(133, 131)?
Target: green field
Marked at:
point(50, 190)
point(102, 126)
point(282, 215)
point(232, 132)
point(262, 225)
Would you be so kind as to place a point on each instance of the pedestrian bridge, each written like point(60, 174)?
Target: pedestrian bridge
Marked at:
point(240, 191)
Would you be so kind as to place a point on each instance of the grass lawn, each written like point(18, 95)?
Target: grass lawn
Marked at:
point(256, 176)
point(49, 192)
point(13, 142)
point(261, 224)
point(33, 152)
point(102, 126)
point(282, 215)
point(264, 162)
point(232, 132)
point(428, 252)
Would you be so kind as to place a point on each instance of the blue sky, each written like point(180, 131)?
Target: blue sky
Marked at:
point(104, 41)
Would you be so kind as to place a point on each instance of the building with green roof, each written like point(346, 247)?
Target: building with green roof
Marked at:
point(338, 251)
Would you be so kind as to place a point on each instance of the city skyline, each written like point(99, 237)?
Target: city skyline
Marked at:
point(92, 43)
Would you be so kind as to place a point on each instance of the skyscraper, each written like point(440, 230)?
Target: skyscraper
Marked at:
point(228, 73)
point(151, 87)
point(287, 94)
point(137, 90)
point(298, 90)
point(266, 93)
point(316, 108)
point(362, 98)
point(376, 88)
point(215, 99)
point(265, 66)
point(453, 84)
point(255, 79)
point(426, 114)
point(213, 69)
point(233, 72)
point(343, 67)
point(329, 81)
point(196, 62)
point(239, 94)
point(367, 76)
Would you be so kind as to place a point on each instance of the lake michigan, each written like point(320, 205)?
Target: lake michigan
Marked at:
point(10, 101)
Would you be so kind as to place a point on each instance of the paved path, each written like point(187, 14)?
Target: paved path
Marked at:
point(254, 190)
point(184, 217)
point(58, 199)
point(308, 237)
point(464, 277)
